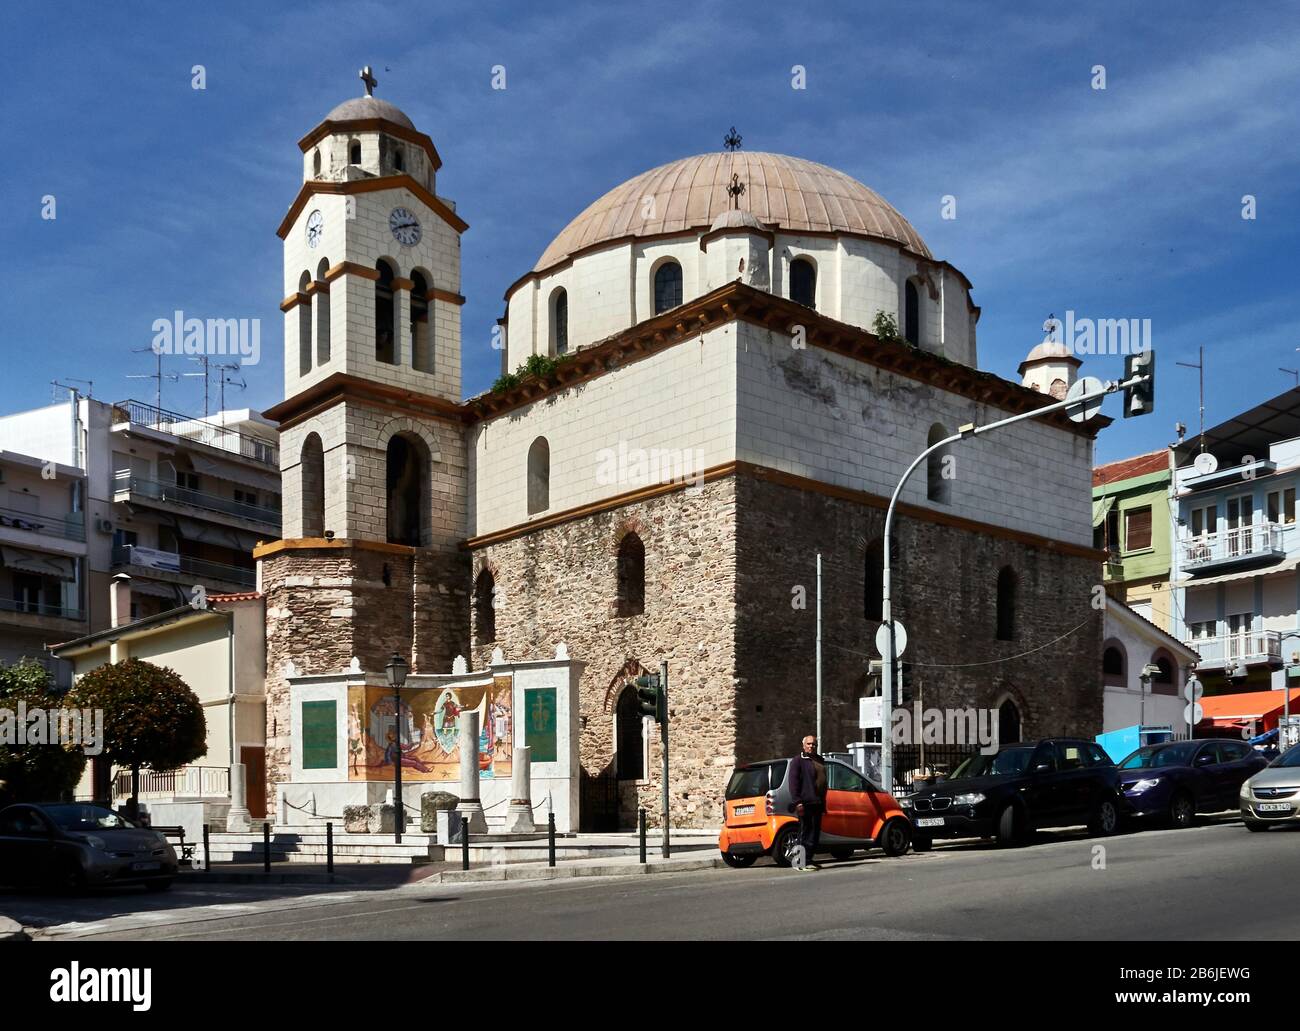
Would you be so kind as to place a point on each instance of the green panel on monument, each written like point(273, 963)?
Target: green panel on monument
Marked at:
point(319, 736)
point(539, 716)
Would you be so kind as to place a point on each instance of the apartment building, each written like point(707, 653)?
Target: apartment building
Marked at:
point(1130, 522)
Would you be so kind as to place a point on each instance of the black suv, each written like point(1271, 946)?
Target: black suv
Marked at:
point(1020, 788)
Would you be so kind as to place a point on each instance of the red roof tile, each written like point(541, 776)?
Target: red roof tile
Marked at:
point(1126, 468)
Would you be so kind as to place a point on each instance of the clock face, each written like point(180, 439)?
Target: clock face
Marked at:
point(405, 227)
point(315, 227)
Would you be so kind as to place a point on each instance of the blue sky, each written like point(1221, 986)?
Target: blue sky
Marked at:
point(1115, 204)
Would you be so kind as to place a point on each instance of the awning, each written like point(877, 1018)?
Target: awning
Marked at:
point(1237, 710)
point(1101, 508)
point(158, 590)
point(57, 566)
point(235, 473)
point(222, 536)
point(1247, 574)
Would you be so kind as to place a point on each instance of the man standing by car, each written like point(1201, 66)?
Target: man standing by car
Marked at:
point(807, 779)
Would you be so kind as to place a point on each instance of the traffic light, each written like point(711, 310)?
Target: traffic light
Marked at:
point(651, 697)
point(905, 683)
point(1140, 399)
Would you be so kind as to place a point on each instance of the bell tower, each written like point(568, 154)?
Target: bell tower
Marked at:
point(373, 453)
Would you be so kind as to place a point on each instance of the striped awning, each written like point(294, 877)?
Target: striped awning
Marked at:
point(58, 567)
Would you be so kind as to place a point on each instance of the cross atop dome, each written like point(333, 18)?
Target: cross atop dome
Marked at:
point(732, 140)
point(734, 190)
point(368, 77)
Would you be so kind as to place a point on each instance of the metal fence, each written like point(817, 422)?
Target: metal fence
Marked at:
point(171, 493)
point(200, 431)
point(916, 765)
point(52, 526)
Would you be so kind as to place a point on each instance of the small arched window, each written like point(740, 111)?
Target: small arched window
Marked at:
point(668, 287)
point(803, 282)
point(631, 576)
point(1006, 604)
point(385, 345)
point(630, 742)
point(397, 160)
point(354, 152)
point(560, 322)
point(407, 480)
point(1163, 682)
point(1113, 664)
point(1008, 722)
point(485, 612)
point(911, 314)
point(304, 325)
point(321, 307)
point(539, 476)
point(421, 325)
point(315, 162)
point(938, 487)
point(873, 580)
point(312, 470)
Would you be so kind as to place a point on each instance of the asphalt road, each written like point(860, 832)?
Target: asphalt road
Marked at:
point(1215, 881)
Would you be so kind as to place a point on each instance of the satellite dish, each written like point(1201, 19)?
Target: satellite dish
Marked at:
point(1085, 410)
point(1205, 463)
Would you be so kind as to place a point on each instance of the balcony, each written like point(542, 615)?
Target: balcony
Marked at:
point(1255, 545)
point(68, 529)
point(132, 488)
point(198, 431)
point(41, 616)
point(1254, 648)
point(180, 569)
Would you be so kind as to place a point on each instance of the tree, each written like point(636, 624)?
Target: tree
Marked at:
point(151, 717)
point(33, 772)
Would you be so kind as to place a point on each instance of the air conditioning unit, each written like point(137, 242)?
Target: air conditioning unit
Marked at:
point(104, 525)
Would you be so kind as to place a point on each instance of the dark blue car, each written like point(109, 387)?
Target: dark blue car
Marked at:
point(1174, 781)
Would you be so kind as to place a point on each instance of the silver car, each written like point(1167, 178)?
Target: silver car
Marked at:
point(1273, 794)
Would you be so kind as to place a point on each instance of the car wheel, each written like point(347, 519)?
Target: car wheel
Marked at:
point(739, 862)
point(1105, 819)
point(922, 843)
point(162, 885)
point(69, 877)
point(1009, 827)
point(1255, 825)
point(1182, 811)
point(895, 837)
point(786, 838)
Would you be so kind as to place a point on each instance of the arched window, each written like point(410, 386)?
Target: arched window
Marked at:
point(407, 480)
point(304, 325)
point(1008, 722)
point(1114, 663)
point(321, 306)
point(539, 476)
point(1163, 682)
point(354, 152)
point(631, 576)
point(312, 470)
point(630, 757)
point(560, 322)
point(315, 162)
point(911, 314)
point(668, 286)
point(421, 325)
point(485, 612)
point(803, 282)
point(874, 580)
point(1006, 604)
point(385, 320)
point(937, 486)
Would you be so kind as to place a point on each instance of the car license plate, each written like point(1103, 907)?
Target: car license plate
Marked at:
point(1273, 807)
point(146, 866)
point(743, 810)
point(930, 821)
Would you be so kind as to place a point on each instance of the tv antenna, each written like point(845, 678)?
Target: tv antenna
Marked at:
point(156, 376)
point(1293, 372)
point(225, 369)
point(207, 364)
point(1199, 366)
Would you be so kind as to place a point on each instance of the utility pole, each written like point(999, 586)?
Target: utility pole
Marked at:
point(663, 737)
point(819, 650)
point(1199, 366)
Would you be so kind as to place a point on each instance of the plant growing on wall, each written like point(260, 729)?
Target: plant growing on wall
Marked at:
point(34, 772)
point(540, 366)
point(151, 717)
point(885, 326)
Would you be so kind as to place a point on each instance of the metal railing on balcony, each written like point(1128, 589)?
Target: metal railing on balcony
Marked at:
point(33, 608)
point(1257, 541)
point(124, 482)
point(1249, 648)
point(200, 431)
point(70, 529)
point(201, 570)
point(186, 782)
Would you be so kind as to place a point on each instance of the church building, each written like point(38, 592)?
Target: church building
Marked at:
point(732, 358)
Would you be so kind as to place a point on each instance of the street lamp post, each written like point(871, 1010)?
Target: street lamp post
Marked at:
point(1149, 672)
point(396, 670)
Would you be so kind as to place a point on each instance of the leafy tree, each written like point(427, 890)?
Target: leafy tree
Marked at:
point(34, 772)
point(885, 326)
point(151, 717)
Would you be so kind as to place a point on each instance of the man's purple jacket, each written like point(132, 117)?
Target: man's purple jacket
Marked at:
point(802, 778)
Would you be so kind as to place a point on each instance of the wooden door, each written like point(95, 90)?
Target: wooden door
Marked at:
point(254, 760)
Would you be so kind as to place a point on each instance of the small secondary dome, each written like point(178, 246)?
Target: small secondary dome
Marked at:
point(359, 108)
point(733, 219)
point(1049, 351)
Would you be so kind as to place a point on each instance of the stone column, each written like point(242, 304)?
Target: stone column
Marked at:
point(519, 817)
point(238, 819)
point(470, 806)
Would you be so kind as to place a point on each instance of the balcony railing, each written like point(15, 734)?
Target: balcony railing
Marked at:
point(1252, 648)
point(52, 526)
point(32, 608)
point(1245, 544)
point(200, 431)
point(186, 782)
point(124, 482)
point(199, 569)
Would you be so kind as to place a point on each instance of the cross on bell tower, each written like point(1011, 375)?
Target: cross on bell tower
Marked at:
point(368, 77)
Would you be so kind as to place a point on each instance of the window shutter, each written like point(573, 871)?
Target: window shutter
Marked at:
point(1138, 529)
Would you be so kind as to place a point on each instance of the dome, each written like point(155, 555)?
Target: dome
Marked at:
point(1048, 350)
point(794, 194)
point(369, 107)
point(733, 219)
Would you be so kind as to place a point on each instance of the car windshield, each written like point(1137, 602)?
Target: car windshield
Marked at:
point(1010, 762)
point(752, 781)
point(1155, 756)
point(1291, 757)
point(85, 818)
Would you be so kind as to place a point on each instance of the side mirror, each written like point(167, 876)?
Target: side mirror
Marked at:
point(1205, 759)
point(1043, 768)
